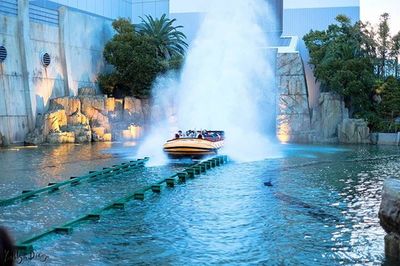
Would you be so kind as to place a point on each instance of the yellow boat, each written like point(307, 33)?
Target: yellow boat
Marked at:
point(195, 145)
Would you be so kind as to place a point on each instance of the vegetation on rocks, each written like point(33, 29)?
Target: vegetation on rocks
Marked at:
point(360, 63)
point(138, 54)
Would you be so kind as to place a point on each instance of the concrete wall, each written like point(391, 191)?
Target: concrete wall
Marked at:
point(385, 138)
point(13, 114)
point(75, 46)
point(83, 38)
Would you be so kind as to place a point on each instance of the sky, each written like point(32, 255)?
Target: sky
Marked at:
point(370, 9)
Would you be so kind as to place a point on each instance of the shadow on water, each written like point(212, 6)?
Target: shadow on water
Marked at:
point(311, 210)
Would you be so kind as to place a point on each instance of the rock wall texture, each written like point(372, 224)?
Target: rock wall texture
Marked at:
point(327, 122)
point(354, 131)
point(327, 115)
point(293, 121)
point(89, 117)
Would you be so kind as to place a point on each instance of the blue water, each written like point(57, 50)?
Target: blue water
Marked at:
point(321, 210)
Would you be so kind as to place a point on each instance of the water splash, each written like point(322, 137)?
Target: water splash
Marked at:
point(226, 79)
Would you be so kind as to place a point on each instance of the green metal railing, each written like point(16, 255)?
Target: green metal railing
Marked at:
point(26, 246)
point(52, 187)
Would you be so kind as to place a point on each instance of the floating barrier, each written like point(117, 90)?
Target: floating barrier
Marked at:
point(26, 246)
point(73, 181)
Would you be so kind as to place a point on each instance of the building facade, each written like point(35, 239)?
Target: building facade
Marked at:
point(50, 49)
point(112, 9)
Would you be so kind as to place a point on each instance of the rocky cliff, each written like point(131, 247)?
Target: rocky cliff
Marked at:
point(293, 120)
point(89, 117)
point(328, 122)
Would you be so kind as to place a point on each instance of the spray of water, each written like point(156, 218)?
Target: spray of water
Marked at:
point(226, 79)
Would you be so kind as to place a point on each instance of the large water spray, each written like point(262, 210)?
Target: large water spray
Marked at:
point(226, 83)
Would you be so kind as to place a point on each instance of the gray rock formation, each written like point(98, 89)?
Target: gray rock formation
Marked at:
point(329, 121)
point(35, 137)
point(293, 118)
point(389, 216)
point(87, 91)
point(329, 113)
point(353, 131)
point(88, 118)
point(61, 137)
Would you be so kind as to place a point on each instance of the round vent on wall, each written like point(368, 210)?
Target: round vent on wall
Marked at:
point(3, 53)
point(45, 59)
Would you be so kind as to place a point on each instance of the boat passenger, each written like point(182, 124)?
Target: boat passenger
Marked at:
point(177, 136)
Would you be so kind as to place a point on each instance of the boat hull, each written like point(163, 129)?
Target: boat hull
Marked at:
point(193, 148)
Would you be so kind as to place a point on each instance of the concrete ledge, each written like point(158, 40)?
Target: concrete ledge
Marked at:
point(385, 138)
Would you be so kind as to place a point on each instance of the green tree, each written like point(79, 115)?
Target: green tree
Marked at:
point(136, 62)
point(168, 39)
point(389, 108)
point(396, 53)
point(383, 41)
point(341, 62)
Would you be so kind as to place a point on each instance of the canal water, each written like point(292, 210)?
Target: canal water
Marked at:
point(320, 210)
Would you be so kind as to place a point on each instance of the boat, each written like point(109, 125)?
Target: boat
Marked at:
point(194, 144)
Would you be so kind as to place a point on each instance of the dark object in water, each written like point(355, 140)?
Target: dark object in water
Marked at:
point(313, 211)
point(268, 184)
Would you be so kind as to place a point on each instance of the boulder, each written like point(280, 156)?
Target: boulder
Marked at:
point(77, 118)
point(389, 217)
point(69, 104)
point(98, 133)
point(133, 111)
point(353, 131)
point(389, 211)
point(86, 91)
point(89, 104)
point(82, 133)
point(35, 137)
point(329, 113)
point(133, 132)
point(110, 104)
point(107, 137)
point(97, 119)
point(61, 137)
point(54, 121)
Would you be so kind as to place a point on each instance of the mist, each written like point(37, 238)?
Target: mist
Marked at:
point(226, 84)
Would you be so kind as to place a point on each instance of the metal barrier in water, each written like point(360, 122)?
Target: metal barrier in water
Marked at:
point(51, 187)
point(26, 246)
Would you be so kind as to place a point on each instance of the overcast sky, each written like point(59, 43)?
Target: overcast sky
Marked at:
point(370, 9)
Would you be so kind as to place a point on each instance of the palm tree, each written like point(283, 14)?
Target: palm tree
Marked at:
point(168, 39)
